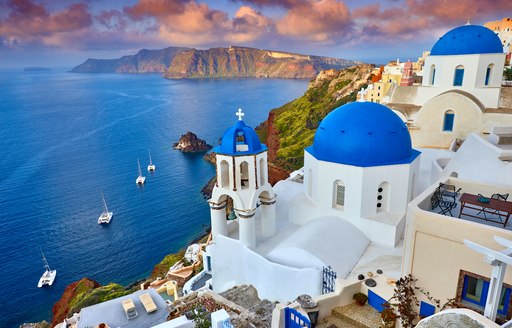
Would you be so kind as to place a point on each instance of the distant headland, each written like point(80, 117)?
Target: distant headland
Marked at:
point(232, 62)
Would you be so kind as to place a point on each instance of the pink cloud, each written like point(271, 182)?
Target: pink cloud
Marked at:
point(324, 21)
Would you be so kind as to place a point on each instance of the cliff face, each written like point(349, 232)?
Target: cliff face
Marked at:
point(145, 61)
point(248, 62)
point(291, 128)
point(177, 63)
point(62, 308)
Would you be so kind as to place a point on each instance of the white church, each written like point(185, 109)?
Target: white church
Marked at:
point(349, 203)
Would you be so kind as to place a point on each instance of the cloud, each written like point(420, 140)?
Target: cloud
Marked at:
point(247, 26)
point(31, 22)
point(422, 19)
point(319, 21)
point(156, 8)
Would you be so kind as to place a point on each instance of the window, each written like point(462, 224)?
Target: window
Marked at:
point(475, 290)
point(449, 118)
point(224, 174)
point(262, 172)
point(310, 183)
point(244, 175)
point(459, 76)
point(488, 74)
point(432, 74)
point(339, 194)
point(382, 197)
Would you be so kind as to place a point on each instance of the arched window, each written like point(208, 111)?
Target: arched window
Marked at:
point(310, 183)
point(338, 194)
point(262, 172)
point(449, 118)
point(224, 174)
point(382, 197)
point(488, 73)
point(458, 77)
point(432, 74)
point(244, 175)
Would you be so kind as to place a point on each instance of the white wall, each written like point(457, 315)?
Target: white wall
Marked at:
point(477, 160)
point(475, 67)
point(235, 264)
point(383, 227)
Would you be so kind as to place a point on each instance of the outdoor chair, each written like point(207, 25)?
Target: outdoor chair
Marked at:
point(494, 196)
point(445, 197)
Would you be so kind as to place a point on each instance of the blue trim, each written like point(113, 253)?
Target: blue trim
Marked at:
point(487, 75)
point(376, 301)
point(449, 119)
point(483, 296)
point(458, 78)
point(506, 302)
point(426, 309)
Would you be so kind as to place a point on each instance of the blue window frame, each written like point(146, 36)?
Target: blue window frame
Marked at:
point(488, 74)
point(426, 309)
point(475, 291)
point(449, 118)
point(459, 76)
point(433, 76)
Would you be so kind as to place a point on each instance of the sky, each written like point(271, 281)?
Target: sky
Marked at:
point(67, 32)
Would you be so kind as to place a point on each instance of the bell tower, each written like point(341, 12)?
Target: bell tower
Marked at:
point(242, 174)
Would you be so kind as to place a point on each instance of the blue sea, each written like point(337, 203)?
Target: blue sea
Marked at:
point(67, 138)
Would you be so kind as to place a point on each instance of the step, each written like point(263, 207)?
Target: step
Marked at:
point(335, 322)
point(359, 316)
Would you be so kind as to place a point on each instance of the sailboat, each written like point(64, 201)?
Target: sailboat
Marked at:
point(48, 276)
point(151, 166)
point(106, 216)
point(140, 179)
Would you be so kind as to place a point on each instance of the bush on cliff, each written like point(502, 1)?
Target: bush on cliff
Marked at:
point(161, 268)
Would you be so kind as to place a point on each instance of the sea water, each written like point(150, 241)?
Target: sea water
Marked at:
point(67, 138)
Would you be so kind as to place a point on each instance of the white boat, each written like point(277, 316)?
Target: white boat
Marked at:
point(140, 179)
point(106, 216)
point(48, 276)
point(151, 166)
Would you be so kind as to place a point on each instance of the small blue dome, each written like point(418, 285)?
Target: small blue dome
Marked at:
point(363, 134)
point(240, 139)
point(467, 40)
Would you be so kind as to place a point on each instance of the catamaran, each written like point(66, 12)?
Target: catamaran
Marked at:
point(106, 216)
point(48, 276)
point(140, 179)
point(151, 166)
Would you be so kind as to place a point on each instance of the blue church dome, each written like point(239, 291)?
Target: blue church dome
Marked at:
point(363, 134)
point(467, 40)
point(240, 139)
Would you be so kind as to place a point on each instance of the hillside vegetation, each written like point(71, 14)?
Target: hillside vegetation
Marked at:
point(291, 127)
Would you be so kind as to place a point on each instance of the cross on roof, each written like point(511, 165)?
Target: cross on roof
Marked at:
point(240, 114)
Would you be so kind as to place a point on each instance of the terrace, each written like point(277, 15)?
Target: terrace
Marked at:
point(470, 201)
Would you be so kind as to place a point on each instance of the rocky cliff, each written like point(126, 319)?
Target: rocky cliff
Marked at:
point(145, 61)
point(190, 143)
point(248, 62)
point(291, 128)
point(177, 63)
point(63, 308)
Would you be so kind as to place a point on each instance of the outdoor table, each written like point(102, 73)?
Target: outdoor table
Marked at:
point(498, 207)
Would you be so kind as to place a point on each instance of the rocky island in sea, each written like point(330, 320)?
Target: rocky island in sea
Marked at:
point(190, 143)
point(232, 62)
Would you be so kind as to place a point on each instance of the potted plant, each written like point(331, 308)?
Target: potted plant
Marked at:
point(388, 317)
point(360, 298)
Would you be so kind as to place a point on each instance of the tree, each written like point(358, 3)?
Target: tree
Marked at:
point(507, 73)
point(406, 302)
